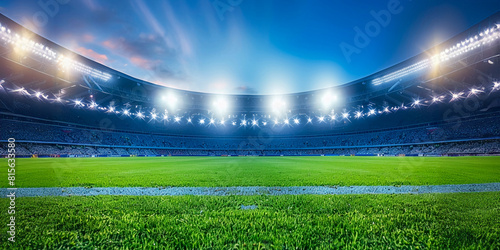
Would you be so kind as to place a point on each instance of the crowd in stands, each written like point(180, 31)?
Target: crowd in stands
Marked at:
point(472, 136)
point(450, 148)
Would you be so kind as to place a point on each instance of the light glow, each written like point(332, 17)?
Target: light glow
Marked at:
point(456, 96)
point(278, 105)
point(436, 99)
point(327, 100)
point(221, 105)
point(496, 85)
point(474, 91)
point(416, 103)
point(457, 50)
point(26, 45)
point(78, 103)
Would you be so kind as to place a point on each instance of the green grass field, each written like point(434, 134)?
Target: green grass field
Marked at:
point(428, 221)
point(253, 171)
point(433, 221)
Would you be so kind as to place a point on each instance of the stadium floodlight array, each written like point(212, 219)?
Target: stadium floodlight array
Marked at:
point(264, 120)
point(27, 45)
point(474, 42)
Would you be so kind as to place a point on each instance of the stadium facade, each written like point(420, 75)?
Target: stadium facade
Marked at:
point(444, 101)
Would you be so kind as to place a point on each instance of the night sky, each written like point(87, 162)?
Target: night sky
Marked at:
point(247, 46)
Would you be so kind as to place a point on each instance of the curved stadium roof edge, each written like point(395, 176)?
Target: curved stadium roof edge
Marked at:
point(487, 22)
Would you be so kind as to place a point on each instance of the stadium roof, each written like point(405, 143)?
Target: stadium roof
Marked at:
point(416, 28)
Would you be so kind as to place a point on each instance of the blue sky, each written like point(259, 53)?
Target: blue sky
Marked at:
point(246, 46)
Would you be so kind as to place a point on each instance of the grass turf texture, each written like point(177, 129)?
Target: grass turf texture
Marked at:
point(430, 221)
point(252, 171)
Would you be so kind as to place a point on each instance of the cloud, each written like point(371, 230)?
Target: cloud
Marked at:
point(109, 44)
point(245, 90)
point(142, 62)
point(101, 58)
point(157, 70)
point(88, 38)
point(91, 5)
point(144, 45)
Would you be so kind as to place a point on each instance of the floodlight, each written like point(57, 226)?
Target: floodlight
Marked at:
point(372, 112)
point(139, 115)
point(455, 96)
point(496, 85)
point(233, 123)
point(254, 122)
point(154, 116)
point(278, 105)
point(333, 117)
point(212, 121)
point(474, 91)
point(345, 115)
point(189, 120)
point(126, 112)
point(93, 105)
point(276, 122)
point(221, 105)
point(321, 119)
point(38, 94)
point(436, 99)
point(296, 121)
point(286, 121)
point(309, 120)
point(177, 119)
point(202, 121)
point(171, 100)
point(222, 122)
point(358, 114)
point(328, 99)
point(386, 109)
point(243, 122)
point(416, 103)
point(264, 123)
point(78, 103)
point(58, 99)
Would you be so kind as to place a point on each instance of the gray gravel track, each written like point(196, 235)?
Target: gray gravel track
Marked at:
point(225, 191)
